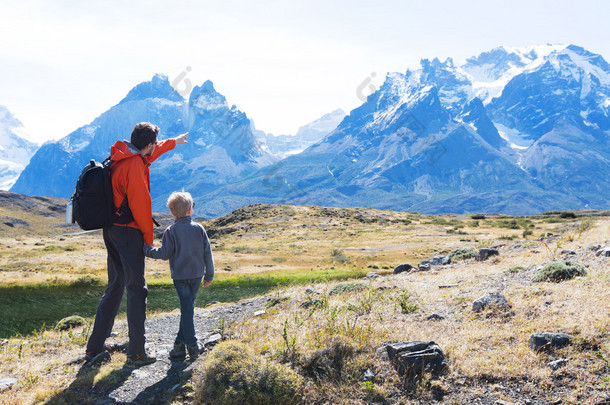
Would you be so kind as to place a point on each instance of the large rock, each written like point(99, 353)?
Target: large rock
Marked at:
point(486, 253)
point(439, 260)
point(490, 298)
point(546, 340)
point(413, 357)
point(402, 268)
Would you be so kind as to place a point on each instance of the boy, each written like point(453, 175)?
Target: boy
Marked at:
point(186, 245)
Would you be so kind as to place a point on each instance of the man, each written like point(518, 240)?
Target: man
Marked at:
point(125, 240)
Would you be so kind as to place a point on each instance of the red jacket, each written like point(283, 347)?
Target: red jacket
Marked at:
point(130, 175)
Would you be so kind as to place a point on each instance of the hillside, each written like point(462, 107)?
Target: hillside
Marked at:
point(322, 335)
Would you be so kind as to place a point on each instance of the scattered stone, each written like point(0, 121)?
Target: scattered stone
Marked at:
point(490, 298)
point(424, 266)
point(502, 402)
point(382, 351)
point(568, 252)
point(212, 340)
point(70, 322)
point(595, 247)
point(7, 383)
point(556, 364)
point(440, 260)
point(372, 274)
point(411, 358)
point(310, 291)
point(5, 341)
point(447, 285)
point(311, 303)
point(603, 251)
point(546, 340)
point(435, 317)
point(259, 313)
point(403, 268)
point(98, 360)
point(486, 253)
point(368, 375)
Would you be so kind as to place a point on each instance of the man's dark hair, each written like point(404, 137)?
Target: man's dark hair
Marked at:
point(144, 134)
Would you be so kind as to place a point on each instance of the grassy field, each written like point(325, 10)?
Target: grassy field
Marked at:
point(47, 271)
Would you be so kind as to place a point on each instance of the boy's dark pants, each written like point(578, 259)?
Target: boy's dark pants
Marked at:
point(187, 292)
point(125, 270)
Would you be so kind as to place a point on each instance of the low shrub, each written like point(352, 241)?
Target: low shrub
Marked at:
point(477, 216)
point(338, 256)
point(347, 286)
point(462, 254)
point(329, 362)
point(559, 270)
point(70, 322)
point(233, 374)
point(515, 269)
point(567, 215)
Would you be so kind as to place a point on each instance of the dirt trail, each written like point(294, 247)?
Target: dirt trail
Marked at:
point(153, 383)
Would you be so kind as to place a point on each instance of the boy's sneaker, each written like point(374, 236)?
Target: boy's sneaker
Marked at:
point(195, 350)
point(178, 352)
point(96, 359)
point(140, 360)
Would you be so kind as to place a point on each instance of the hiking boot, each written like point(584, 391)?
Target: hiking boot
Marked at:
point(178, 352)
point(96, 359)
point(195, 350)
point(140, 360)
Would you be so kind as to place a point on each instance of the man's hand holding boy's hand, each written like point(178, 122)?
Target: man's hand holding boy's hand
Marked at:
point(181, 139)
point(206, 283)
point(147, 249)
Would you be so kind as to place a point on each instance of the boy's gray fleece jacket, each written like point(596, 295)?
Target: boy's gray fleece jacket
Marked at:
point(185, 243)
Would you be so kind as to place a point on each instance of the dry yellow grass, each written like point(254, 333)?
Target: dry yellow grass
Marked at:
point(488, 352)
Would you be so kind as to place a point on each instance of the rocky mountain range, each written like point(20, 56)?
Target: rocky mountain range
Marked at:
point(16, 148)
point(517, 131)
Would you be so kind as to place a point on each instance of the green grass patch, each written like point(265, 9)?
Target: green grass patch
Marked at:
point(28, 308)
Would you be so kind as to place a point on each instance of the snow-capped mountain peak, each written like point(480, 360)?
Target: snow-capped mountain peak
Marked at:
point(16, 148)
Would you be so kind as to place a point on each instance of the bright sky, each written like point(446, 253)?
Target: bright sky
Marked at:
point(284, 63)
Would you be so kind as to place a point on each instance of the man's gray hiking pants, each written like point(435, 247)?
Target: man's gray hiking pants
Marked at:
point(125, 271)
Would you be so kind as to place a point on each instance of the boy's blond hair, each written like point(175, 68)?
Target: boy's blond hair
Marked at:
point(180, 203)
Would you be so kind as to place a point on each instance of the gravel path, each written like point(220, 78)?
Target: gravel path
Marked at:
point(151, 384)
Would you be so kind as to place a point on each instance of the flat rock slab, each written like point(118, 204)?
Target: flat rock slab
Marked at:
point(603, 251)
point(413, 357)
point(546, 340)
point(6, 383)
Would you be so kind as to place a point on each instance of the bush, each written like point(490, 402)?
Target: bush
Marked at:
point(559, 270)
point(462, 254)
point(477, 216)
point(234, 374)
point(70, 322)
point(347, 286)
point(567, 215)
point(329, 362)
point(338, 256)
